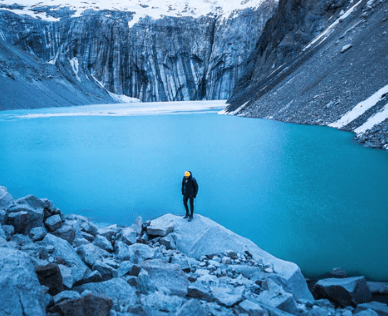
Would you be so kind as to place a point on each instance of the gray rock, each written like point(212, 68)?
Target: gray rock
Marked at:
point(346, 47)
point(227, 296)
point(92, 277)
point(125, 268)
point(203, 236)
point(251, 308)
point(181, 260)
point(128, 235)
point(66, 295)
point(199, 291)
point(37, 233)
point(109, 232)
point(89, 227)
point(87, 236)
point(50, 276)
point(367, 312)
point(191, 307)
point(137, 225)
point(160, 227)
point(168, 242)
point(2, 216)
point(19, 220)
point(6, 199)
point(375, 287)
point(53, 222)
point(67, 276)
point(338, 273)
point(8, 231)
point(62, 248)
point(103, 243)
point(21, 293)
point(121, 293)
point(66, 232)
point(2, 233)
point(144, 282)
point(136, 253)
point(106, 271)
point(166, 275)
point(90, 254)
point(347, 291)
point(161, 302)
point(380, 308)
point(85, 305)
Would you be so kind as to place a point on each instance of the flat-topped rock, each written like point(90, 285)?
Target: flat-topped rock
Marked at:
point(202, 236)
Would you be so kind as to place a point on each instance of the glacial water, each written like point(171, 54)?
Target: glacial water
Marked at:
point(306, 194)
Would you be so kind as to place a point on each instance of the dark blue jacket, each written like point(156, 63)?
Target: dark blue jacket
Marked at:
point(189, 186)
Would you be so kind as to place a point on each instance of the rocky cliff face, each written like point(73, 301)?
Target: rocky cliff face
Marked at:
point(170, 58)
point(324, 63)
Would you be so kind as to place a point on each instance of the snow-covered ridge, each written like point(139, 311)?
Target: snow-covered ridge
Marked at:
point(153, 8)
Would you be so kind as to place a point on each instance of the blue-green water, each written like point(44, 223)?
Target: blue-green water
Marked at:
point(304, 193)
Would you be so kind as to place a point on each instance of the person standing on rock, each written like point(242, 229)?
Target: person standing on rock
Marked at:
point(189, 192)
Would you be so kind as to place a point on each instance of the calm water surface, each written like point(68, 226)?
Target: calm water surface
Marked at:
point(304, 193)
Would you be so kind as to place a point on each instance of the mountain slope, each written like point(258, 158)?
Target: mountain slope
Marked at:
point(324, 63)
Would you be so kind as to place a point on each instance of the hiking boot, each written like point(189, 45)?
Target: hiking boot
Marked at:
point(190, 218)
point(186, 216)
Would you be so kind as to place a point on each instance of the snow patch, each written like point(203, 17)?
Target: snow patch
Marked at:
point(74, 66)
point(373, 120)
point(29, 12)
point(123, 98)
point(360, 108)
point(235, 112)
point(321, 37)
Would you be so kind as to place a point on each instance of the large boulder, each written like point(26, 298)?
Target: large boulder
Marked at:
point(21, 293)
point(50, 276)
point(166, 275)
point(347, 291)
point(121, 293)
point(6, 199)
point(160, 227)
point(63, 249)
point(96, 305)
point(203, 236)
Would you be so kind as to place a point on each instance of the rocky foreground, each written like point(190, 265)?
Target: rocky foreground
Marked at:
point(56, 264)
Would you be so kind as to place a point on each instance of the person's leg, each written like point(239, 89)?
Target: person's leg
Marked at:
point(185, 198)
point(191, 206)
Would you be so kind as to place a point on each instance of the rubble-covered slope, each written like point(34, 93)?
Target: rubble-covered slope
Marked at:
point(324, 63)
point(148, 51)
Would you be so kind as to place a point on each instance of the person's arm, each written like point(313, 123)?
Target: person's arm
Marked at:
point(195, 187)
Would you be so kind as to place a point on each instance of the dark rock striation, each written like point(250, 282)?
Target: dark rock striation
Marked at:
point(166, 59)
point(210, 271)
point(323, 63)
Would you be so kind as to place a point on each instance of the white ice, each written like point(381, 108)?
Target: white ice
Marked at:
point(360, 108)
point(121, 109)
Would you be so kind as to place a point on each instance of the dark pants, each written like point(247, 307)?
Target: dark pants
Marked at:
point(185, 199)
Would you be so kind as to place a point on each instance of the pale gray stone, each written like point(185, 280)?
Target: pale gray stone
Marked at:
point(8, 231)
point(66, 295)
point(181, 260)
point(90, 254)
point(136, 253)
point(160, 227)
point(37, 233)
point(166, 275)
point(6, 199)
point(109, 231)
point(128, 235)
point(380, 308)
point(346, 47)
point(190, 308)
point(67, 276)
point(162, 302)
point(378, 287)
point(168, 242)
point(106, 271)
point(65, 232)
point(21, 293)
point(53, 222)
point(103, 243)
point(227, 296)
point(144, 282)
point(252, 308)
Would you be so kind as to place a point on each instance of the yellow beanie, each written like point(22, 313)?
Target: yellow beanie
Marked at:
point(187, 174)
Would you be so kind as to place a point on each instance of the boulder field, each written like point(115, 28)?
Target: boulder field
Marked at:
point(57, 264)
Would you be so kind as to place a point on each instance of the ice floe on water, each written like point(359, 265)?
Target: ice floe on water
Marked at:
point(121, 109)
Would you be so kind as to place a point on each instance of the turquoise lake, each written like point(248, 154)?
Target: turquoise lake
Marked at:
point(306, 194)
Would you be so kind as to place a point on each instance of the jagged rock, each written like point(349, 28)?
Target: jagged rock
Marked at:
point(21, 293)
point(87, 236)
point(227, 296)
point(66, 232)
point(203, 236)
point(181, 260)
point(6, 200)
point(125, 268)
point(90, 254)
point(128, 235)
point(84, 306)
point(66, 295)
point(136, 253)
point(375, 287)
point(67, 276)
point(137, 225)
point(338, 273)
point(144, 282)
point(62, 248)
point(106, 271)
point(19, 220)
point(53, 222)
point(168, 242)
point(50, 276)
point(166, 275)
point(251, 308)
point(37, 233)
point(161, 302)
point(103, 243)
point(108, 232)
point(80, 241)
point(160, 227)
point(131, 280)
point(200, 291)
point(191, 307)
point(89, 227)
point(380, 308)
point(348, 291)
point(8, 231)
point(93, 276)
point(121, 293)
